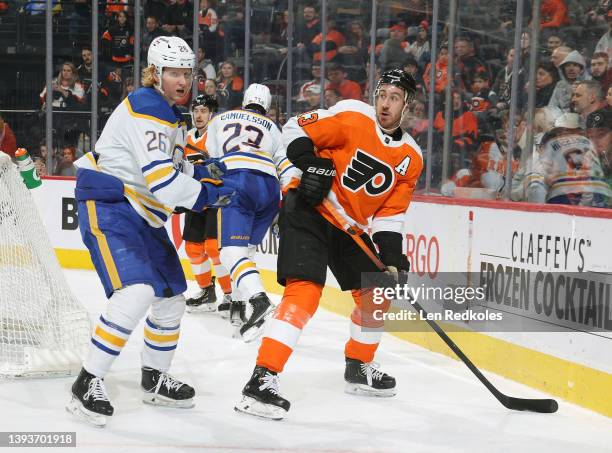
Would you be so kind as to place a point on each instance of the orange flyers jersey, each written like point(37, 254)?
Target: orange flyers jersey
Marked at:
point(375, 175)
point(196, 146)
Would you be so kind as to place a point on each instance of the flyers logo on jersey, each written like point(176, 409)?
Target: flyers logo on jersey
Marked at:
point(375, 176)
point(307, 118)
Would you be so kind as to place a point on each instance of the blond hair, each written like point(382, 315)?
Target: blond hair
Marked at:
point(149, 76)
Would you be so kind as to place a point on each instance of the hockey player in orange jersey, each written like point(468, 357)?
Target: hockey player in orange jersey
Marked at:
point(200, 231)
point(358, 168)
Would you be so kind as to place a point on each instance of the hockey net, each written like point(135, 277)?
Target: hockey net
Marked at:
point(43, 328)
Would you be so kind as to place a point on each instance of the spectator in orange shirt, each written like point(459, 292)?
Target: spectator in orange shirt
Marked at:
point(465, 127)
point(441, 71)
point(348, 89)
point(8, 143)
point(333, 40)
point(554, 14)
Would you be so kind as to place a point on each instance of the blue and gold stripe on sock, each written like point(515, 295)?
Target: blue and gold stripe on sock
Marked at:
point(160, 338)
point(110, 337)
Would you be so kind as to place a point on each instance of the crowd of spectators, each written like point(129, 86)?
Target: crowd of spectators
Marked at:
point(569, 162)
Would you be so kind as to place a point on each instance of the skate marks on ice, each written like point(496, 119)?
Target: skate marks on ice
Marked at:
point(439, 406)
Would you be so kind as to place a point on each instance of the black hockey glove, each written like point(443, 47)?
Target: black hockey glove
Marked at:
point(317, 177)
point(390, 250)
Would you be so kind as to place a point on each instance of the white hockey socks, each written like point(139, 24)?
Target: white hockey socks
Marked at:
point(161, 332)
point(125, 309)
point(243, 271)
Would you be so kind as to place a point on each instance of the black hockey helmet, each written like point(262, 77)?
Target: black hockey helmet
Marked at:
point(400, 79)
point(206, 100)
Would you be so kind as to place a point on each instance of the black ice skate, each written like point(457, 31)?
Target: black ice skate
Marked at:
point(204, 300)
point(260, 396)
point(224, 307)
point(261, 309)
point(161, 389)
point(89, 400)
point(365, 379)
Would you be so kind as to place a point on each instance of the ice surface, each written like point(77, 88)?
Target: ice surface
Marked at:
point(440, 406)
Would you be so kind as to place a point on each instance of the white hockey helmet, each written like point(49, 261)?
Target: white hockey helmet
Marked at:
point(257, 94)
point(169, 52)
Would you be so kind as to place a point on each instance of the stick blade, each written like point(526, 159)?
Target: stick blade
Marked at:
point(542, 406)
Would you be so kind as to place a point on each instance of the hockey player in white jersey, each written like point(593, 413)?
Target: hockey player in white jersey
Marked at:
point(124, 198)
point(250, 146)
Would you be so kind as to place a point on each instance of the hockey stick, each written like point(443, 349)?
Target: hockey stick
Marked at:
point(545, 406)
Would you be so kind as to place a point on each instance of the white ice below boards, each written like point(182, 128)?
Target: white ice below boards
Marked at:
point(440, 406)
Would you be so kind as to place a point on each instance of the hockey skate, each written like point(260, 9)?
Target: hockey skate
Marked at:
point(204, 301)
point(365, 379)
point(260, 396)
point(161, 389)
point(89, 400)
point(237, 316)
point(224, 307)
point(261, 309)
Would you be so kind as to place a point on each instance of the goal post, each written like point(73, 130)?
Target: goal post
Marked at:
point(44, 330)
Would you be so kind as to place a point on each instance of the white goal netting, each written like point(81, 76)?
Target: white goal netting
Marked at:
point(44, 330)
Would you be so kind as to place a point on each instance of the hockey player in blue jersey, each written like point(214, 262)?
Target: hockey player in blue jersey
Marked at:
point(124, 198)
point(250, 146)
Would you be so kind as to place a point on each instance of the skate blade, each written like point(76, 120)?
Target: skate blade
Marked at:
point(365, 390)
point(158, 400)
point(204, 308)
point(91, 418)
point(253, 333)
point(251, 406)
point(224, 314)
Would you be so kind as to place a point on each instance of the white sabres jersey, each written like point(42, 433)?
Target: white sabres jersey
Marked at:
point(246, 140)
point(143, 144)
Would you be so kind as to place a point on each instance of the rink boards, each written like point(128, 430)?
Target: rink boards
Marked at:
point(442, 235)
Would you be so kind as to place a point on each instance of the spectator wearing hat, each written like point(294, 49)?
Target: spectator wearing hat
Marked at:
point(600, 69)
point(348, 89)
point(586, 98)
point(393, 52)
point(572, 69)
point(316, 80)
point(419, 48)
point(8, 143)
point(598, 129)
point(569, 170)
point(605, 42)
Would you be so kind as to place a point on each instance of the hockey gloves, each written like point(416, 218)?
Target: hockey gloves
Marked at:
point(390, 249)
point(317, 177)
point(210, 169)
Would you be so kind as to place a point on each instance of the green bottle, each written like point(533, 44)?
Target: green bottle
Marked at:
point(27, 169)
